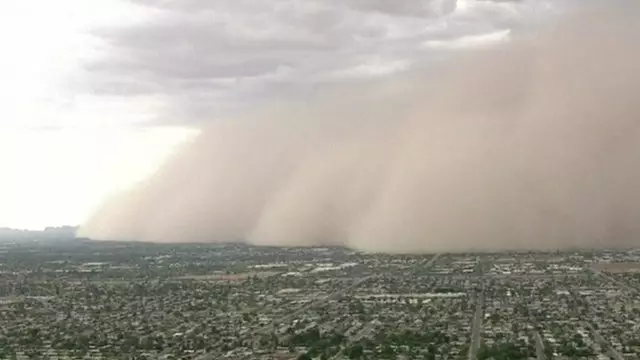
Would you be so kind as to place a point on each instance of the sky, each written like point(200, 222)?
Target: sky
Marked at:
point(64, 148)
point(96, 94)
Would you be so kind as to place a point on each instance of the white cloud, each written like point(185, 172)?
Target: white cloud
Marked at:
point(373, 67)
point(58, 177)
point(470, 41)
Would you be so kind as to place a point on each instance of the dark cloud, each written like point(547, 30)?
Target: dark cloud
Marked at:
point(208, 57)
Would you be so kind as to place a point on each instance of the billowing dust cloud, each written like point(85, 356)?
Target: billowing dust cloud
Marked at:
point(534, 144)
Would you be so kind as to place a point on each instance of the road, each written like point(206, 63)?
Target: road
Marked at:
point(432, 261)
point(613, 353)
point(268, 329)
point(256, 331)
point(506, 276)
point(539, 347)
point(604, 343)
point(476, 326)
point(366, 329)
point(622, 284)
point(333, 296)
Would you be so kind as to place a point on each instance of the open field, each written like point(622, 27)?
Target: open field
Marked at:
point(619, 267)
point(229, 277)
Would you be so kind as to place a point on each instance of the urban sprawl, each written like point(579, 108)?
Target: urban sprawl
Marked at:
point(80, 299)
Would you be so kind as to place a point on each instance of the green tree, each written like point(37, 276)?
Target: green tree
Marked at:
point(355, 351)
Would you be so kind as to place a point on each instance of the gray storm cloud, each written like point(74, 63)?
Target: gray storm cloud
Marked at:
point(533, 144)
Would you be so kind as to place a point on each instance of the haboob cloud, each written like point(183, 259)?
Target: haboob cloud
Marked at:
point(533, 144)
